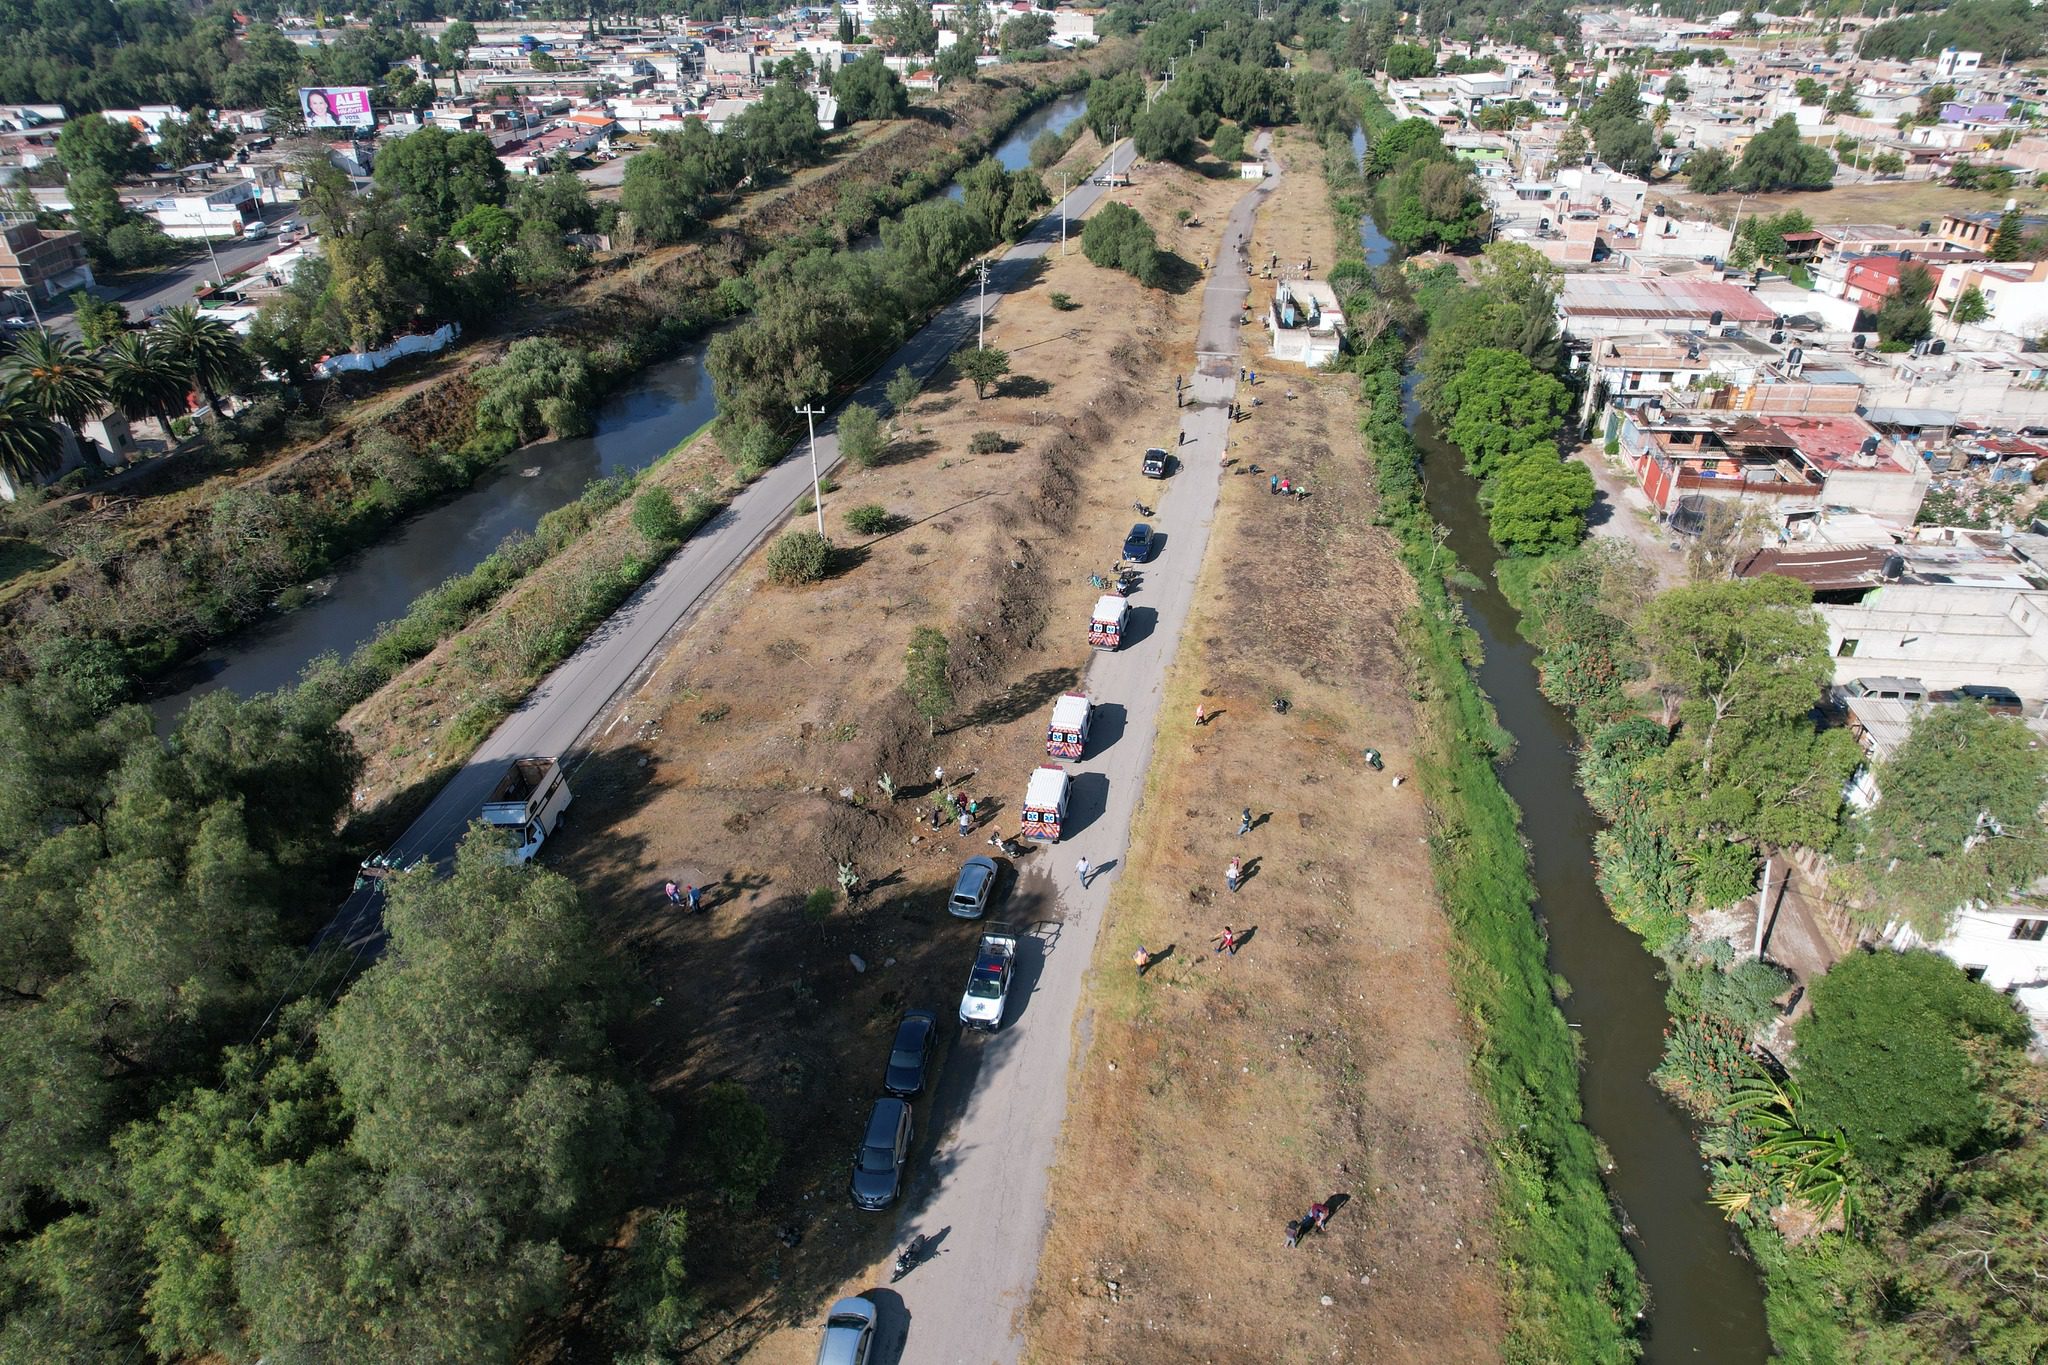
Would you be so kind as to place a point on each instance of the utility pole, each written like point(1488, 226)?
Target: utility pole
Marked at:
point(1763, 910)
point(218, 279)
point(981, 314)
point(30, 300)
point(1064, 179)
point(811, 413)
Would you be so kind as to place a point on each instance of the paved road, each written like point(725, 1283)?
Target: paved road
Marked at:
point(987, 1181)
point(168, 288)
point(572, 702)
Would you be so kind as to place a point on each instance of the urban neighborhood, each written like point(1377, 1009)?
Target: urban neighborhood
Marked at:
point(951, 681)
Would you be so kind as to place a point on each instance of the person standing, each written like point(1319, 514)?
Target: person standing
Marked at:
point(1141, 959)
point(1232, 875)
point(695, 896)
point(1226, 942)
point(1201, 715)
point(669, 890)
point(1081, 871)
point(966, 822)
point(1244, 823)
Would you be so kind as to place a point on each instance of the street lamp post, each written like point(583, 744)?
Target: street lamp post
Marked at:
point(810, 413)
point(981, 317)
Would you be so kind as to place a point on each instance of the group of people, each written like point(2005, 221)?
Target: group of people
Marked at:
point(692, 895)
point(1282, 484)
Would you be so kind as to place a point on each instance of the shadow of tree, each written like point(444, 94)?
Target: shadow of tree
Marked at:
point(1021, 698)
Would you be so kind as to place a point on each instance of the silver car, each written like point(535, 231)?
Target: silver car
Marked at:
point(972, 887)
point(849, 1333)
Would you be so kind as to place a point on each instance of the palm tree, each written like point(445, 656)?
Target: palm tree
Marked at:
point(206, 347)
point(29, 442)
point(59, 377)
point(145, 379)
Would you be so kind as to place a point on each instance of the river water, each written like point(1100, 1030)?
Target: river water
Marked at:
point(1705, 1302)
point(634, 427)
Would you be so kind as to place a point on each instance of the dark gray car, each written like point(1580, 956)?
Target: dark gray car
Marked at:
point(911, 1054)
point(877, 1177)
point(972, 887)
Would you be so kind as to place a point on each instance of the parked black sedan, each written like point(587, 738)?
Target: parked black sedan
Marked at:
point(911, 1054)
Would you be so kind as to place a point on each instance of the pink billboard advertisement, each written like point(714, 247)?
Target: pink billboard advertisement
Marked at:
point(337, 106)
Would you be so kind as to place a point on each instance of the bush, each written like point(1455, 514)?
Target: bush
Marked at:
point(860, 435)
point(902, 389)
point(799, 557)
point(987, 443)
point(756, 448)
point(868, 519)
point(541, 385)
point(656, 519)
point(1063, 303)
point(1228, 144)
point(1118, 238)
point(740, 1150)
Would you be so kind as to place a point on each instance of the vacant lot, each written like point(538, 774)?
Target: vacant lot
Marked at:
point(1893, 203)
point(750, 764)
point(1219, 1096)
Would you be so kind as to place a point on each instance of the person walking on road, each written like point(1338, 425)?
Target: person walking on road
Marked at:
point(1226, 942)
point(1233, 875)
point(1081, 871)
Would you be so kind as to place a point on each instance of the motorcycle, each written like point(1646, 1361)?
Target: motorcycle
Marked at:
point(906, 1261)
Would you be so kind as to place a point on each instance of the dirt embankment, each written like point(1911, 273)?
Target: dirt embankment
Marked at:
point(1327, 1060)
point(141, 536)
point(728, 768)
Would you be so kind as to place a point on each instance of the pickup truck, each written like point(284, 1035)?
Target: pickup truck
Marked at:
point(988, 984)
point(528, 800)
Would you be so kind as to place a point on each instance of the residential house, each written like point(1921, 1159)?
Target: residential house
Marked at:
point(2015, 294)
point(221, 212)
point(1974, 230)
point(42, 261)
point(1592, 306)
point(1790, 466)
point(1945, 635)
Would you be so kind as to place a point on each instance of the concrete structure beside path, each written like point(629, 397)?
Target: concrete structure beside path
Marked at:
point(1306, 324)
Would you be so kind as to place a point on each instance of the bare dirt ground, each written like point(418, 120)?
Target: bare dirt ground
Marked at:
point(1894, 203)
point(728, 768)
point(1218, 1095)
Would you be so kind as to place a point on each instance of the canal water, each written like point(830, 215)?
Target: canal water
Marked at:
point(664, 404)
point(1705, 1302)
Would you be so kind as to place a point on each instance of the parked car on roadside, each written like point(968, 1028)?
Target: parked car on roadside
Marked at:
point(849, 1333)
point(877, 1177)
point(971, 889)
point(1138, 544)
point(910, 1054)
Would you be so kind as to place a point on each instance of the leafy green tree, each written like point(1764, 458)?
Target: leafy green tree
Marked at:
point(99, 320)
point(1886, 1056)
point(664, 188)
point(487, 231)
point(1628, 145)
point(206, 348)
point(1958, 819)
point(927, 674)
point(1027, 33)
point(1432, 204)
point(1501, 406)
point(1007, 203)
point(1572, 146)
point(741, 1151)
point(1969, 307)
point(1119, 238)
point(110, 148)
point(1710, 170)
point(1776, 159)
point(925, 248)
point(907, 25)
point(2009, 242)
point(956, 62)
point(456, 41)
point(860, 435)
point(982, 366)
point(816, 313)
point(1539, 502)
point(1905, 316)
point(1677, 90)
point(1165, 131)
point(779, 131)
point(1228, 144)
point(1510, 307)
point(1406, 62)
point(901, 390)
point(439, 176)
point(1843, 101)
point(868, 89)
point(64, 382)
point(542, 385)
point(1809, 90)
point(1748, 659)
point(191, 140)
point(1113, 104)
point(1888, 163)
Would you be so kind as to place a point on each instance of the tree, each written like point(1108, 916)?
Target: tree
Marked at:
point(1710, 170)
point(542, 385)
point(860, 435)
point(1406, 62)
point(206, 348)
point(927, 675)
point(1888, 163)
point(1119, 238)
point(57, 375)
point(1843, 101)
point(1027, 33)
point(1905, 316)
point(1539, 502)
point(2009, 242)
point(1676, 90)
point(103, 146)
point(925, 248)
point(1957, 819)
point(1228, 144)
point(1165, 131)
point(1113, 104)
point(99, 320)
point(487, 231)
point(901, 390)
point(439, 176)
point(1748, 659)
point(1628, 145)
point(907, 25)
point(1006, 203)
point(867, 89)
point(742, 1153)
point(656, 519)
point(1572, 146)
point(1810, 91)
point(29, 444)
point(1776, 159)
point(1969, 308)
point(982, 366)
point(1886, 1056)
point(956, 63)
point(456, 41)
point(664, 188)
point(1501, 406)
point(143, 378)
point(192, 140)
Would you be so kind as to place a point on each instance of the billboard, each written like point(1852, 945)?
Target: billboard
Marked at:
point(336, 106)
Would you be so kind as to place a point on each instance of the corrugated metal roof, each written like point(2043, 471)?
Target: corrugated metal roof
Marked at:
point(1620, 296)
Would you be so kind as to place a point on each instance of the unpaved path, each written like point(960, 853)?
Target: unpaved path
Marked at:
point(987, 1183)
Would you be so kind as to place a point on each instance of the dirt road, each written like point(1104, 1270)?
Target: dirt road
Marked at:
point(987, 1183)
point(577, 699)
